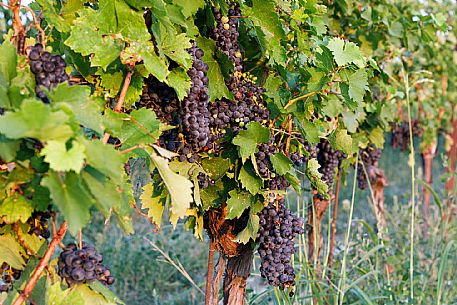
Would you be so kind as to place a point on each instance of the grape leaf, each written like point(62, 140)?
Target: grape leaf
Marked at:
point(216, 85)
point(237, 203)
point(61, 159)
point(190, 7)
point(175, 47)
point(281, 163)
point(341, 141)
point(97, 286)
point(56, 296)
point(130, 23)
point(180, 81)
point(263, 15)
point(69, 195)
point(216, 167)
point(7, 63)
point(92, 297)
point(247, 140)
point(10, 252)
point(345, 52)
point(179, 188)
point(249, 179)
point(15, 208)
point(250, 232)
point(53, 16)
point(8, 148)
point(358, 84)
point(376, 137)
point(35, 120)
point(141, 127)
point(32, 241)
point(89, 36)
point(105, 159)
point(78, 101)
point(155, 65)
point(152, 204)
point(315, 177)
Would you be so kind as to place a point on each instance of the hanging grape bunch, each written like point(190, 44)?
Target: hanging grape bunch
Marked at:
point(194, 110)
point(276, 237)
point(329, 160)
point(83, 265)
point(400, 134)
point(49, 70)
point(39, 224)
point(9, 275)
point(299, 158)
point(370, 157)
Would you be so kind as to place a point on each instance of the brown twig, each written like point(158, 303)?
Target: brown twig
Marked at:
point(289, 129)
point(335, 215)
point(209, 275)
point(21, 240)
point(54, 229)
point(121, 99)
point(36, 23)
point(302, 97)
point(147, 217)
point(23, 296)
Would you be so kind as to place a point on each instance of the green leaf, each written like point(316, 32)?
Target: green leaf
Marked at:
point(61, 159)
point(77, 100)
point(7, 62)
point(92, 297)
point(358, 84)
point(179, 188)
point(281, 163)
point(10, 252)
point(36, 120)
point(376, 136)
point(340, 140)
point(250, 232)
point(249, 178)
point(89, 36)
point(152, 204)
point(263, 15)
point(15, 208)
point(180, 81)
point(189, 8)
point(216, 167)
point(216, 84)
point(315, 177)
point(141, 127)
point(237, 203)
point(153, 63)
point(345, 52)
point(69, 195)
point(8, 148)
point(105, 159)
point(56, 296)
point(53, 16)
point(248, 139)
point(175, 47)
point(97, 286)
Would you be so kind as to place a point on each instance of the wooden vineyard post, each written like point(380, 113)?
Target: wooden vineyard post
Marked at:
point(452, 153)
point(428, 153)
point(316, 213)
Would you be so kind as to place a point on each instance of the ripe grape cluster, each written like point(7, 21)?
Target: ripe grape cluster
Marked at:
point(83, 265)
point(400, 134)
point(262, 158)
point(226, 34)
point(49, 70)
point(329, 160)
point(276, 237)
point(299, 158)
point(204, 181)
point(370, 157)
point(9, 275)
point(39, 224)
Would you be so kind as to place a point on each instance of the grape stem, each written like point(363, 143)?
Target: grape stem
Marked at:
point(41, 265)
point(121, 99)
point(36, 23)
point(21, 240)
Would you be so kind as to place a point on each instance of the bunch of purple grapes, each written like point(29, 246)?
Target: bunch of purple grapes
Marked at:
point(39, 224)
point(276, 237)
point(400, 134)
point(83, 265)
point(369, 157)
point(9, 275)
point(49, 70)
point(329, 160)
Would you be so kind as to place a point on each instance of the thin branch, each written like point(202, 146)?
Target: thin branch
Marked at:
point(41, 265)
point(302, 97)
point(209, 275)
point(21, 240)
point(146, 216)
point(36, 23)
